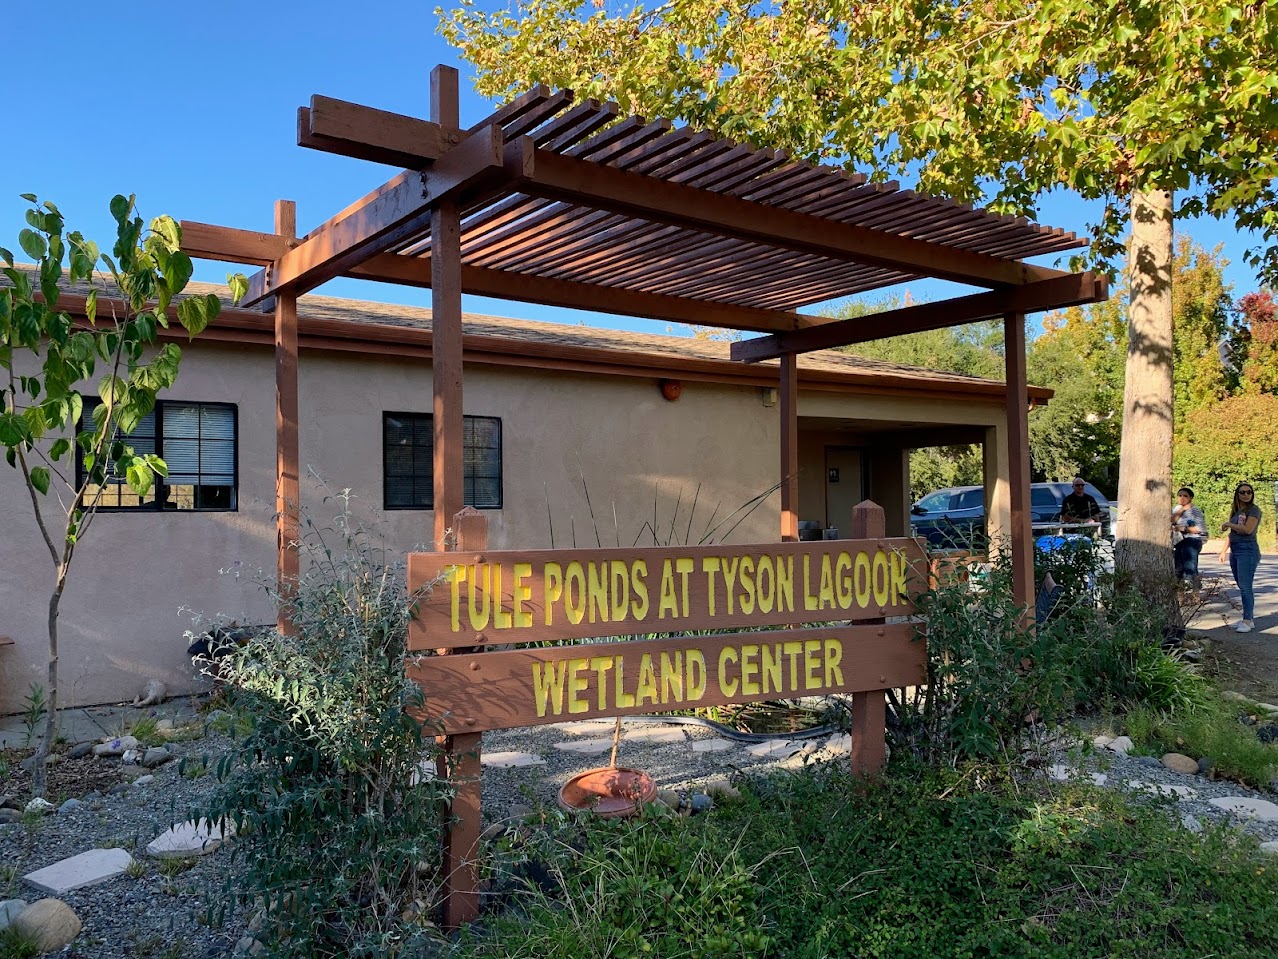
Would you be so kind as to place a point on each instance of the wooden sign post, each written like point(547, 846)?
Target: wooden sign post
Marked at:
point(790, 620)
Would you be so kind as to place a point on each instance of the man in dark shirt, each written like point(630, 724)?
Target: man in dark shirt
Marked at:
point(1080, 506)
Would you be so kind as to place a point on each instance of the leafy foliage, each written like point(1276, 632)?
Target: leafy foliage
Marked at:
point(338, 830)
point(920, 863)
point(1214, 731)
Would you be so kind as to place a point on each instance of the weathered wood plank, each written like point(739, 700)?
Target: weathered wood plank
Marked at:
point(528, 687)
point(540, 595)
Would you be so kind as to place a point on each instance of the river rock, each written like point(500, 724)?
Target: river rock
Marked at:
point(156, 756)
point(80, 750)
point(8, 815)
point(50, 923)
point(1180, 763)
point(115, 747)
point(9, 910)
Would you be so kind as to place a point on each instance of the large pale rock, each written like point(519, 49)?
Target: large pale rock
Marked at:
point(508, 759)
point(1261, 809)
point(655, 734)
point(156, 756)
point(774, 749)
point(1270, 847)
point(1122, 745)
point(190, 839)
point(115, 747)
point(1180, 763)
point(87, 869)
point(50, 923)
point(586, 747)
point(712, 745)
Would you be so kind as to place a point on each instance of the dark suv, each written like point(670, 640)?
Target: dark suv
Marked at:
point(954, 518)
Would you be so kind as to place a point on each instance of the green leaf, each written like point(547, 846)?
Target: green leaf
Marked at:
point(32, 244)
point(40, 479)
point(59, 449)
point(6, 256)
point(91, 306)
point(139, 477)
point(238, 283)
point(168, 230)
point(29, 197)
point(157, 464)
point(120, 208)
point(196, 312)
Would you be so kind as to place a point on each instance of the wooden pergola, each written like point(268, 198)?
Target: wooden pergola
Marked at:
point(570, 204)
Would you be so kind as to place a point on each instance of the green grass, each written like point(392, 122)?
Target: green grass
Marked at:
point(816, 864)
point(1214, 731)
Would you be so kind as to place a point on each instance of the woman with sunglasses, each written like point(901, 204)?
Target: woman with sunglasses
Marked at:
point(1243, 550)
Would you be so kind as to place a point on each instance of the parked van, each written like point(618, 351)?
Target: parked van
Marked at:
point(954, 518)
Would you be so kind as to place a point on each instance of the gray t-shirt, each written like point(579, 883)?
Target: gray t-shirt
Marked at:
point(1234, 536)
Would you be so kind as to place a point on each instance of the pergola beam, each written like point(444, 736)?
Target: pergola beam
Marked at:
point(1070, 289)
point(366, 133)
point(571, 180)
point(398, 211)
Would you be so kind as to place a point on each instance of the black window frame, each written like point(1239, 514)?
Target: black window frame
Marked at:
point(161, 502)
point(428, 419)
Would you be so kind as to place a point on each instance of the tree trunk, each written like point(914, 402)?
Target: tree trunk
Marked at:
point(1144, 553)
point(38, 764)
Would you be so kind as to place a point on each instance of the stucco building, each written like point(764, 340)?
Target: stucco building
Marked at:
point(573, 433)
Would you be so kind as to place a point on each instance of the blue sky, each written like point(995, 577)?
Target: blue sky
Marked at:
point(195, 112)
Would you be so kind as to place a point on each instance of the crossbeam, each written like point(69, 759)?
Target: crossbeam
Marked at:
point(366, 133)
point(594, 185)
point(1070, 289)
point(397, 211)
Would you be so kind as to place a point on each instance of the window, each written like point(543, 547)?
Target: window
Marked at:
point(196, 441)
point(408, 461)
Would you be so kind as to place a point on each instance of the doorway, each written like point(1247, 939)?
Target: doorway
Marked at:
point(845, 485)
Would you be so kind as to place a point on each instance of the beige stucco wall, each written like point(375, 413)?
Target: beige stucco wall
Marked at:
point(140, 577)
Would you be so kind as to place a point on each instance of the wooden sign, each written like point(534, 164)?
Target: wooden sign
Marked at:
point(486, 597)
point(529, 687)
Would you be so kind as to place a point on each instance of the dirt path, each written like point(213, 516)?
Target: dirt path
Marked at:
point(1246, 663)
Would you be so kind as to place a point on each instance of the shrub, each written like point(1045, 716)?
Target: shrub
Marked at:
point(992, 675)
point(337, 837)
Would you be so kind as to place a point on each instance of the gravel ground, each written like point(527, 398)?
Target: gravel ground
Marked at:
point(158, 915)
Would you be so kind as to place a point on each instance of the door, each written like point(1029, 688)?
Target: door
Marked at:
point(844, 485)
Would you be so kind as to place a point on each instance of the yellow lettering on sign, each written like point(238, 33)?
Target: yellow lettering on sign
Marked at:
point(730, 565)
point(456, 576)
point(809, 600)
point(552, 588)
point(900, 571)
point(597, 586)
point(577, 683)
point(827, 583)
point(672, 677)
point(750, 669)
point(601, 665)
point(522, 593)
point(747, 585)
point(833, 656)
point(647, 681)
point(619, 587)
point(481, 581)
point(794, 649)
point(811, 664)
point(862, 573)
point(622, 698)
point(683, 567)
point(843, 576)
point(767, 582)
point(638, 575)
point(668, 604)
point(785, 584)
point(729, 687)
point(772, 668)
point(881, 578)
point(710, 566)
point(501, 618)
point(548, 687)
point(575, 593)
point(695, 661)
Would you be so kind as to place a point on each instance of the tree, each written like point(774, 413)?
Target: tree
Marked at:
point(1202, 308)
point(47, 359)
point(1259, 372)
point(1000, 101)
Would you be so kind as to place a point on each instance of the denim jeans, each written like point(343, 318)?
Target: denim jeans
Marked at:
point(1244, 557)
point(1186, 552)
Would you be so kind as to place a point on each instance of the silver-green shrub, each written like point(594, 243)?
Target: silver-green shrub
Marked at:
point(338, 832)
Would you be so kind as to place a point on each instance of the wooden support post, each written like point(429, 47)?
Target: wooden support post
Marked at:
point(446, 325)
point(287, 469)
point(1018, 461)
point(869, 711)
point(459, 762)
point(789, 411)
